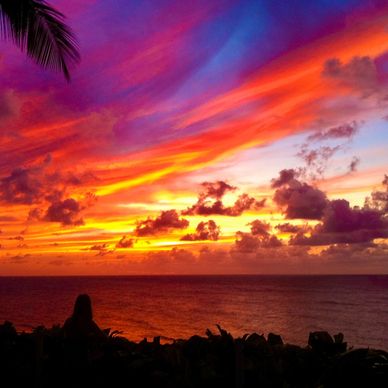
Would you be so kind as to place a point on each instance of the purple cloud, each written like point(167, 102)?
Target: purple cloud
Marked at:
point(67, 212)
point(205, 231)
point(167, 220)
point(298, 199)
point(210, 201)
point(344, 131)
point(125, 242)
point(344, 224)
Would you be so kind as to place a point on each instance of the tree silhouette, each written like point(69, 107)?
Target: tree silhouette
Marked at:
point(39, 29)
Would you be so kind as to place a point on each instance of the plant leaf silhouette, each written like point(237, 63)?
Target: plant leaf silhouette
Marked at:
point(39, 29)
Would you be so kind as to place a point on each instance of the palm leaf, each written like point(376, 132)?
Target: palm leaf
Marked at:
point(39, 29)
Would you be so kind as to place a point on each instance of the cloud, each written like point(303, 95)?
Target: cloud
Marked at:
point(67, 212)
point(60, 262)
point(336, 259)
point(204, 231)
point(259, 237)
point(36, 185)
point(354, 164)
point(99, 247)
point(18, 238)
point(19, 258)
point(21, 186)
point(316, 160)
point(102, 249)
point(359, 73)
point(340, 217)
point(356, 257)
point(285, 176)
point(379, 198)
point(344, 131)
point(35, 214)
point(244, 202)
point(167, 220)
point(215, 189)
point(246, 242)
point(210, 201)
point(298, 199)
point(343, 224)
point(125, 242)
point(289, 228)
point(175, 260)
point(259, 228)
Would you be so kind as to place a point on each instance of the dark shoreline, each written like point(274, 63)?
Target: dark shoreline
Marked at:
point(44, 358)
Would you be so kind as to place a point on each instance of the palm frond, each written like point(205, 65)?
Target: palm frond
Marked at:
point(39, 29)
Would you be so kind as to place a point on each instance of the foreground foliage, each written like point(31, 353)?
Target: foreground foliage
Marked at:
point(40, 30)
point(44, 358)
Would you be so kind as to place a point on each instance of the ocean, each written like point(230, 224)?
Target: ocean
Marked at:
point(181, 306)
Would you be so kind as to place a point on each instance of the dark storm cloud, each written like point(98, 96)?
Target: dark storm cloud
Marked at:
point(167, 220)
point(298, 199)
point(205, 231)
point(210, 201)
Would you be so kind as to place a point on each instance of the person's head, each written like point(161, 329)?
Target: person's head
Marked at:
point(83, 307)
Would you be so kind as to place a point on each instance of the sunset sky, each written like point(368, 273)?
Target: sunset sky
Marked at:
point(200, 137)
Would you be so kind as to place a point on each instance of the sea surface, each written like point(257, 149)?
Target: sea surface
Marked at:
point(180, 306)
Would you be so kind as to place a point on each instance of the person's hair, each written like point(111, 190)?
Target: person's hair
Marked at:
point(83, 307)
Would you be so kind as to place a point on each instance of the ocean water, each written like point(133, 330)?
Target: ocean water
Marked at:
point(180, 306)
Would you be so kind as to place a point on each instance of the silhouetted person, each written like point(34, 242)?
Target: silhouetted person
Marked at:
point(80, 326)
point(83, 340)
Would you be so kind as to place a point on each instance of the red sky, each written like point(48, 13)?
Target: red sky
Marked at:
point(231, 137)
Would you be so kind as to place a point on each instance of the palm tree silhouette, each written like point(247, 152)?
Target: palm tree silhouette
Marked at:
point(39, 29)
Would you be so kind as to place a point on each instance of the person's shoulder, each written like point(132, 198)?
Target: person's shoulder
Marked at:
point(68, 322)
point(94, 325)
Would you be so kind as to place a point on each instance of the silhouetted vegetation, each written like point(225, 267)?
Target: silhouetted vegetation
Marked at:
point(39, 29)
point(46, 358)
